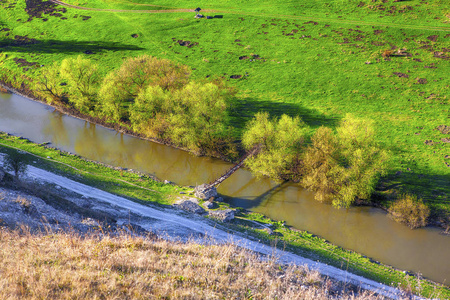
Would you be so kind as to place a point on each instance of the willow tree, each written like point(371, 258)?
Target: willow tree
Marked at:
point(346, 166)
point(83, 80)
point(149, 115)
point(49, 82)
point(194, 116)
point(280, 140)
point(16, 162)
point(121, 87)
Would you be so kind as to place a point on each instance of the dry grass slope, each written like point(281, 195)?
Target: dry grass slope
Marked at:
point(97, 266)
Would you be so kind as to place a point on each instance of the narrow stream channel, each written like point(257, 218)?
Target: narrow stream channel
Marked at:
point(366, 230)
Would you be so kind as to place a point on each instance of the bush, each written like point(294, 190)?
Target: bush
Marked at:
point(410, 210)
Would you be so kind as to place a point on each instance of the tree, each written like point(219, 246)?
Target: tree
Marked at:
point(200, 118)
point(321, 164)
point(194, 116)
point(281, 141)
point(363, 159)
point(149, 115)
point(344, 167)
point(82, 78)
point(16, 162)
point(121, 87)
point(49, 83)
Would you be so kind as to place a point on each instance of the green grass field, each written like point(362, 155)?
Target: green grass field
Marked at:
point(316, 59)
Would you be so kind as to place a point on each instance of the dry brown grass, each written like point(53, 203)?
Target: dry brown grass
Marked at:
point(24, 202)
point(68, 266)
point(386, 53)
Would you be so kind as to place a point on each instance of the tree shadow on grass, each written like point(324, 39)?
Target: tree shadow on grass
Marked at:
point(243, 111)
point(410, 177)
point(23, 44)
point(432, 188)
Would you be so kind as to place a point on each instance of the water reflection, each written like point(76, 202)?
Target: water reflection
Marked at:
point(56, 129)
point(363, 229)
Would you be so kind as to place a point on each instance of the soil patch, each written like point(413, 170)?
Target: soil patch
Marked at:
point(433, 38)
point(440, 55)
point(253, 56)
point(20, 40)
point(401, 75)
point(24, 63)
point(36, 8)
point(444, 129)
point(188, 44)
point(421, 80)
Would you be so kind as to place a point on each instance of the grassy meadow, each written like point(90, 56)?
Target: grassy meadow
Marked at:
point(381, 60)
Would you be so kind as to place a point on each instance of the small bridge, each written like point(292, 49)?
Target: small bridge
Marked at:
point(206, 191)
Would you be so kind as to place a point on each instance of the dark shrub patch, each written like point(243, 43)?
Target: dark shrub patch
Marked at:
point(410, 211)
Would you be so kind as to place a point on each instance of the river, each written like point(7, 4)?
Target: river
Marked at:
point(364, 229)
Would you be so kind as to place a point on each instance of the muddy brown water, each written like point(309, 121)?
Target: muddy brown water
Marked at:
point(363, 229)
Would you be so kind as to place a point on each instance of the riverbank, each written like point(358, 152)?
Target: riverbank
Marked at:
point(299, 242)
point(28, 93)
point(381, 198)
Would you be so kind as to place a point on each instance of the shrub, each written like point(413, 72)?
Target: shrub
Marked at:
point(410, 210)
